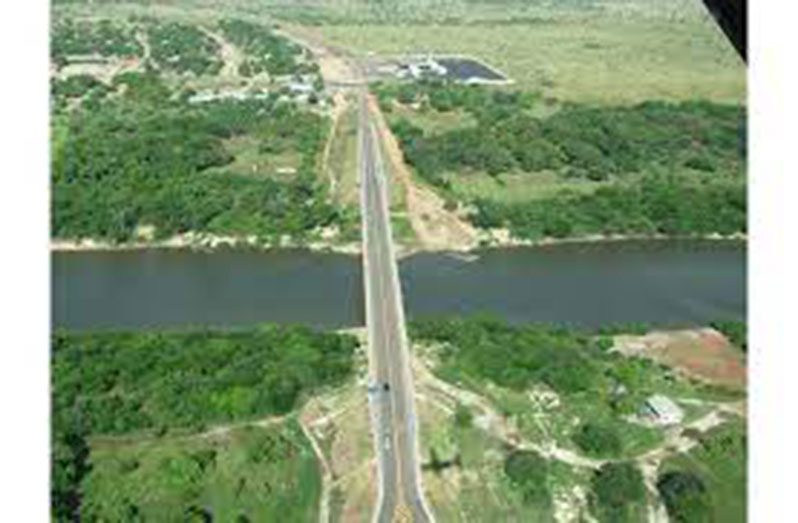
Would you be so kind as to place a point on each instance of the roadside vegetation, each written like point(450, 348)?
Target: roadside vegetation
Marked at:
point(123, 403)
point(652, 168)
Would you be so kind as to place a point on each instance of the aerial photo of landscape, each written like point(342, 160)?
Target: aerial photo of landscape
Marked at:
point(397, 260)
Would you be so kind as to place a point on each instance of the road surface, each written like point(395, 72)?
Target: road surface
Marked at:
point(390, 393)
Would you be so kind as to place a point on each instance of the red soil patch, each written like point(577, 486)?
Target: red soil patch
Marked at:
point(704, 354)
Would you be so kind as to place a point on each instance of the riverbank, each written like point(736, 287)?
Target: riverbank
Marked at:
point(502, 239)
point(201, 242)
point(490, 240)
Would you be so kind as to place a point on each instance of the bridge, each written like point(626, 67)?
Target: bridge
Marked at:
point(391, 396)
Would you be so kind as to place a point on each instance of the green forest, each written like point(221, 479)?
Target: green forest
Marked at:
point(122, 382)
point(144, 157)
point(668, 168)
point(119, 383)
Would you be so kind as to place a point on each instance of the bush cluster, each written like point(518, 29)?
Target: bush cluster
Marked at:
point(183, 48)
point(266, 51)
point(83, 38)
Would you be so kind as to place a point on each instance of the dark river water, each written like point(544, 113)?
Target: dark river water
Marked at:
point(674, 283)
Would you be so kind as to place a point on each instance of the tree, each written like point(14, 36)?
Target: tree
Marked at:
point(463, 417)
point(618, 493)
point(598, 439)
point(685, 496)
point(528, 471)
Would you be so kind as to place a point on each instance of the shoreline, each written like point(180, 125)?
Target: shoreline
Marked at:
point(205, 243)
point(215, 243)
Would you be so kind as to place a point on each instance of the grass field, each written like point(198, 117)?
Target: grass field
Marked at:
point(594, 60)
point(342, 160)
point(515, 187)
point(247, 474)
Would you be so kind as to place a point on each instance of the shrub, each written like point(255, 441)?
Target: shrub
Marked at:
point(618, 493)
point(685, 496)
point(528, 472)
point(598, 439)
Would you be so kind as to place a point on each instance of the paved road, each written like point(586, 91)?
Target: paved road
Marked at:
point(392, 409)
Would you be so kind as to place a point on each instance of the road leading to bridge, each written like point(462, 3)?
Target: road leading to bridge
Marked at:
point(391, 401)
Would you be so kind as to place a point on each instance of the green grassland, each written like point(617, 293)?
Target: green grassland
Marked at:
point(248, 474)
point(583, 59)
point(342, 161)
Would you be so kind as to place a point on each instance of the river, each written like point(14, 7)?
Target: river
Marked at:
point(661, 282)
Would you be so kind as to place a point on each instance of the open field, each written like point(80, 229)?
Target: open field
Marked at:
point(593, 60)
point(254, 473)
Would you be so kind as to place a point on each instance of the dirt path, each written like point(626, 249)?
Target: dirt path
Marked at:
point(231, 56)
point(326, 474)
point(436, 228)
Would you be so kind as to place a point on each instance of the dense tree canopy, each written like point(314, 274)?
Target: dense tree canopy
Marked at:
point(121, 382)
point(514, 357)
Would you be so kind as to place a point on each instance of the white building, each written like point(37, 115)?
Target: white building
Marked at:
point(661, 410)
